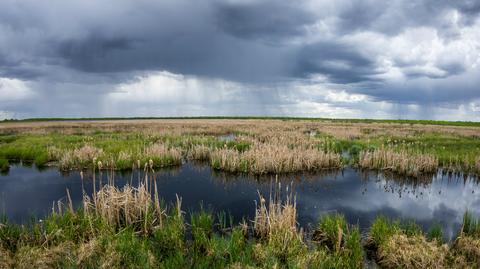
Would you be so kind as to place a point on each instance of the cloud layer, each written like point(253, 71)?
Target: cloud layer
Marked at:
point(395, 59)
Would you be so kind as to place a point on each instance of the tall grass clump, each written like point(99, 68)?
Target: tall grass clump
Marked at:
point(127, 207)
point(276, 223)
point(340, 240)
point(79, 158)
point(199, 153)
point(162, 155)
point(401, 162)
point(274, 158)
point(397, 245)
point(466, 248)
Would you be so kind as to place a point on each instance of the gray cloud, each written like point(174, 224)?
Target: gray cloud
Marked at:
point(79, 51)
point(270, 20)
point(341, 63)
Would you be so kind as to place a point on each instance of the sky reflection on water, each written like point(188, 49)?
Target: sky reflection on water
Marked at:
point(360, 197)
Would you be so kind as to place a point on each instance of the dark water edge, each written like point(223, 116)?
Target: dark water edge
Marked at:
point(360, 196)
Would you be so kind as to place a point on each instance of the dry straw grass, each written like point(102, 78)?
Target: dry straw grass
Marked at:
point(161, 150)
point(6, 260)
point(276, 219)
point(77, 158)
point(401, 162)
point(468, 248)
point(137, 207)
point(402, 251)
point(44, 258)
point(276, 158)
point(199, 152)
point(222, 126)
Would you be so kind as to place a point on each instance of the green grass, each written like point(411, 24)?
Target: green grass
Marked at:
point(470, 225)
point(454, 152)
point(340, 241)
point(76, 240)
point(4, 165)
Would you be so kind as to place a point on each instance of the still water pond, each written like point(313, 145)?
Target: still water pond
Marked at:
point(26, 191)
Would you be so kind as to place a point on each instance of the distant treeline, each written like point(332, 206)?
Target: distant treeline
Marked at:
point(402, 121)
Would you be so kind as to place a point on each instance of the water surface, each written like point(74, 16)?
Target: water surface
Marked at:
point(26, 191)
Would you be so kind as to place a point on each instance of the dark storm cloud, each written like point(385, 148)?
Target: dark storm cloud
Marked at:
point(425, 91)
point(66, 44)
point(89, 54)
point(341, 63)
point(393, 17)
point(270, 20)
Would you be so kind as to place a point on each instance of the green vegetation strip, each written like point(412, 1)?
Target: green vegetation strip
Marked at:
point(74, 239)
point(396, 121)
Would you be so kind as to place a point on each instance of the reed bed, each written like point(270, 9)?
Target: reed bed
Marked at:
point(402, 162)
point(275, 216)
point(160, 154)
point(199, 153)
point(129, 206)
point(283, 142)
point(80, 158)
point(267, 158)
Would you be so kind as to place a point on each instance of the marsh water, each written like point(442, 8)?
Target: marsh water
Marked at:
point(27, 192)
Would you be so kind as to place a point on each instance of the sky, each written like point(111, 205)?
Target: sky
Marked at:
point(395, 59)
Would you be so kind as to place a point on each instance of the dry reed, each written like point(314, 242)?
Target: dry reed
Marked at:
point(129, 206)
point(199, 152)
point(468, 247)
point(402, 251)
point(274, 158)
point(401, 162)
point(79, 157)
point(276, 218)
point(162, 150)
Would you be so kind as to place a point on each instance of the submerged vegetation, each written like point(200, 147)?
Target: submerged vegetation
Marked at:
point(245, 145)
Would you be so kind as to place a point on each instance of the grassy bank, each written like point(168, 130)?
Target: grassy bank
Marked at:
point(250, 146)
point(396, 245)
point(132, 228)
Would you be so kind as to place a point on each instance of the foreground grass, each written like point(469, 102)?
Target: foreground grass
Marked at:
point(398, 245)
point(133, 228)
